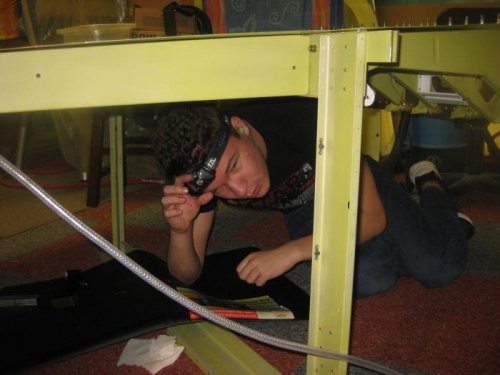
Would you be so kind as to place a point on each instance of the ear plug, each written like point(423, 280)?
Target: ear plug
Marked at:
point(241, 129)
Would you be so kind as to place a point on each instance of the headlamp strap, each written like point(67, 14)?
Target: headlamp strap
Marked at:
point(219, 146)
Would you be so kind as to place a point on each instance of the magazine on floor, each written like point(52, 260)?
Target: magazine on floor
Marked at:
point(262, 307)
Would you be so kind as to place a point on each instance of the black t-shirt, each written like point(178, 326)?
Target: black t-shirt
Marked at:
point(288, 127)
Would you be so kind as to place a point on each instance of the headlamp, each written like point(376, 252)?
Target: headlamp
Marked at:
point(204, 174)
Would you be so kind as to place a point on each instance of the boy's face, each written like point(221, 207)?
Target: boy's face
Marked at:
point(242, 171)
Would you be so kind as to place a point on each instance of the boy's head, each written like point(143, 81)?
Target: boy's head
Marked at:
point(198, 140)
point(185, 136)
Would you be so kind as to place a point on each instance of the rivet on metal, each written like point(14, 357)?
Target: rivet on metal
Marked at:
point(321, 146)
point(316, 254)
point(313, 48)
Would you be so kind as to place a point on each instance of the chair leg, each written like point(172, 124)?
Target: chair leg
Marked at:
point(21, 140)
point(95, 172)
point(475, 177)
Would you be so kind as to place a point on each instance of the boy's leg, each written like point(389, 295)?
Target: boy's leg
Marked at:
point(431, 241)
point(424, 241)
point(377, 267)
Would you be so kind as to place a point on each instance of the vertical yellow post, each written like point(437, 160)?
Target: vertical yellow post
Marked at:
point(341, 91)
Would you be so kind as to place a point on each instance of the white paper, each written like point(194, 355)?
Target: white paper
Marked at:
point(152, 354)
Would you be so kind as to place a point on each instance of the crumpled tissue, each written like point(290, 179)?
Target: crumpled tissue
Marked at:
point(153, 354)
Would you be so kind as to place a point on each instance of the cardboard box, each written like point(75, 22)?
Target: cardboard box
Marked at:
point(139, 34)
point(152, 19)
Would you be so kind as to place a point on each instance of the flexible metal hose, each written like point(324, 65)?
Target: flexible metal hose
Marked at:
point(172, 293)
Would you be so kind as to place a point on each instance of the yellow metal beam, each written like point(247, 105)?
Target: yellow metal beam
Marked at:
point(165, 70)
point(342, 69)
point(216, 350)
point(462, 62)
point(460, 51)
point(480, 96)
point(343, 59)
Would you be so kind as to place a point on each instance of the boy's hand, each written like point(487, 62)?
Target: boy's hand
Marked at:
point(179, 208)
point(261, 266)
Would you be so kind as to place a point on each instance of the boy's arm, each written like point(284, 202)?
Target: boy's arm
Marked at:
point(259, 267)
point(186, 251)
point(189, 229)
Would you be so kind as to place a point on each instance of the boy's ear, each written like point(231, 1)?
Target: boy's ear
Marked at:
point(240, 125)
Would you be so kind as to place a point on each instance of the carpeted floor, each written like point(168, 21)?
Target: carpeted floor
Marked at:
point(452, 330)
point(64, 183)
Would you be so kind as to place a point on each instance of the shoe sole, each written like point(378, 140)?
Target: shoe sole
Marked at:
point(422, 168)
point(467, 224)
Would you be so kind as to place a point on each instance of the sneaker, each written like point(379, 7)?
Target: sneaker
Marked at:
point(425, 171)
point(421, 172)
point(467, 225)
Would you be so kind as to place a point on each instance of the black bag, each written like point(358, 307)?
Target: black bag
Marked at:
point(53, 320)
point(202, 22)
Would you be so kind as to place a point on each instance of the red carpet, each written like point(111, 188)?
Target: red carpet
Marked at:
point(450, 330)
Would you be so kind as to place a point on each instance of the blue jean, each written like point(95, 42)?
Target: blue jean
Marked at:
point(421, 240)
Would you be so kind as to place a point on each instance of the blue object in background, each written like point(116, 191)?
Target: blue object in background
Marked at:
point(436, 133)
